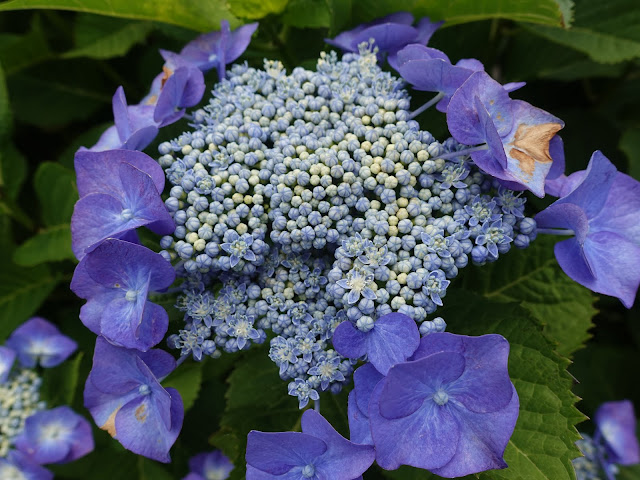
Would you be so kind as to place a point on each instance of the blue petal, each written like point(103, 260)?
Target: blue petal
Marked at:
point(349, 341)
point(277, 453)
point(392, 340)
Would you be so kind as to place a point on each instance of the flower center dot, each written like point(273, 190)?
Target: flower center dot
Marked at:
point(308, 471)
point(440, 397)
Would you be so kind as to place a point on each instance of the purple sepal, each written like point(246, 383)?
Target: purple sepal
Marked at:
point(365, 379)
point(98, 216)
point(39, 341)
point(134, 127)
point(125, 399)
point(18, 465)
point(393, 338)
point(211, 465)
point(218, 49)
point(97, 172)
point(516, 133)
point(616, 424)
point(603, 210)
point(55, 436)
point(451, 410)
point(7, 357)
point(115, 279)
point(184, 88)
point(319, 450)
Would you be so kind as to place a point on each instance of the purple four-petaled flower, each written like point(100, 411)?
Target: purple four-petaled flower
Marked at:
point(616, 428)
point(125, 398)
point(601, 207)
point(209, 466)
point(38, 341)
point(116, 279)
point(318, 452)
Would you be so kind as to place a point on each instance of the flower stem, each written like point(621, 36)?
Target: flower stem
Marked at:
point(466, 151)
point(429, 104)
point(556, 231)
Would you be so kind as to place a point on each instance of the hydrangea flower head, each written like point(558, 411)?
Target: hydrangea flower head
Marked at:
point(451, 409)
point(516, 134)
point(209, 466)
point(393, 338)
point(55, 436)
point(616, 426)
point(116, 278)
point(38, 341)
point(125, 398)
point(602, 210)
point(316, 453)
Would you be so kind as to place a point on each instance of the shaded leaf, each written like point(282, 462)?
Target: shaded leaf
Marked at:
point(105, 37)
point(533, 278)
point(51, 244)
point(150, 470)
point(186, 379)
point(606, 31)
point(18, 52)
point(542, 445)
point(56, 189)
point(59, 384)
point(307, 14)
point(13, 169)
point(340, 14)
point(256, 9)
point(201, 15)
point(5, 108)
point(22, 291)
point(546, 12)
point(87, 138)
point(630, 145)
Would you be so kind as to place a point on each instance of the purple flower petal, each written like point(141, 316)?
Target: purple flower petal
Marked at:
point(349, 341)
point(183, 89)
point(211, 465)
point(38, 341)
point(343, 459)
point(616, 422)
point(393, 339)
point(17, 465)
point(278, 452)
point(483, 439)
point(7, 357)
point(97, 172)
point(359, 428)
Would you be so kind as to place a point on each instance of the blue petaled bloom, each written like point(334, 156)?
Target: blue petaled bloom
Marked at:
point(283, 353)
point(116, 279)
point(389, 33)
point(299, 313)
point(511, 203)
point(37, 341)
point(515, 134)
point(241, 327)
point(481, 210)
point(318, 452)
point(218, 49)
point(353, 246)
point(125, 398)
point(239, 247)
point(304, 391)
point(55, 436)
point(616, 429)
point(134, 127)
point(602, 210)
point(492, 235)
point(17, 466)
point(393, 338)
point(315, 280)
point(7, 358)
point(126, 200)
point(209, 466)
point(373, 256)
point(435, 286)
point(358, 283)
point(451, 409)
point(327, 369)
point(437, 243)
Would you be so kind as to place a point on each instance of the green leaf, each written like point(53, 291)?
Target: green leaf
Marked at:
point(22, 291)
point(5, 108)
point(13, 169)
point(630, 145)
point(256, 9)
point(150, 470)
point(51, 244)
point(257, 399)
point(105, 37)
point(59, 384)
point(86, 138)
point(56, 189)
point(542, 445)
point(545, 12)
point(606, 31)
point(307, 14)
point(533, 278)
point(18, 52)
point(186, 379)
point(340, 12)
point(201, 15)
